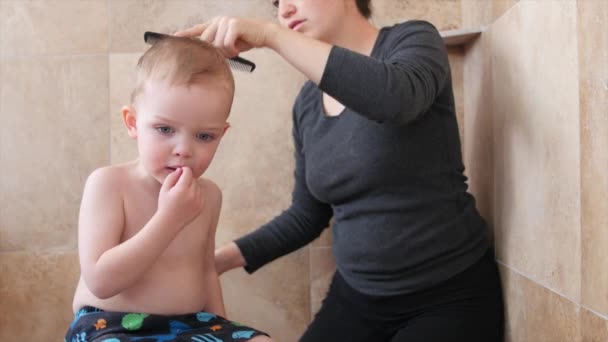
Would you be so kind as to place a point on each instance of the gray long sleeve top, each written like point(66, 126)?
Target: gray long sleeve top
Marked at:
point(388, 169)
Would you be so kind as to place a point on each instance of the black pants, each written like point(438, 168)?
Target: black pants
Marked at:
point(466, 308)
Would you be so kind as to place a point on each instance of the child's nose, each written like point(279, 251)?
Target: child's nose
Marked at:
point(286, 9)
point(183, 149)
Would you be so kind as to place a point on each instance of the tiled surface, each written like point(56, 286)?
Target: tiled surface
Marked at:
point(593, 69)
point(46, 156)
point(254, 163)
point(324, 240)
point(456, 58)
point(536, 151)
point(478, 13)
point(478, 138)
point(131, 18)
point(322, 269)
point(275, 299)
point(254, 168)
point(122, 83)
point(53, 133)
point(593, 328)
point(36, 292)
point(444, 14)
point(536, 314)
point(53, 27)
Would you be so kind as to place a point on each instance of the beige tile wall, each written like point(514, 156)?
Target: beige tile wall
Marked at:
point(66, 68)
point(536, 91)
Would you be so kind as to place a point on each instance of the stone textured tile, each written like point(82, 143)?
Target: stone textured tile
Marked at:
point(254, 163)
point(456, 57)
point(476, 13)
point(276, 299)
point(537, 144)
point(261, 9)
point(593, 328)
point(325, 240)
point(53, 132)
point(478, 138)
point(444, 14)
point(122, 83)
point(36, 292)
point(131, 18)
point(322, 269)
point(53, 27)
point(254, 168)
point(593, 68)
point(536, 314)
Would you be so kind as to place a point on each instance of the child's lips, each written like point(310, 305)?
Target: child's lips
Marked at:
point(295, 24)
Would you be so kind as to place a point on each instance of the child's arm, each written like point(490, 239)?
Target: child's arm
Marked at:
point(109, 266)
point(215, 301)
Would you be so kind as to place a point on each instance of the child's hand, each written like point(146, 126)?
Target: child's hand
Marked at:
point(180, 197)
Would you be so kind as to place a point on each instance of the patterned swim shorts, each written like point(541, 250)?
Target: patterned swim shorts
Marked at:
point(95, 325)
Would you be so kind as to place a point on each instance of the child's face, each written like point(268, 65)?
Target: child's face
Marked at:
point(179, 126)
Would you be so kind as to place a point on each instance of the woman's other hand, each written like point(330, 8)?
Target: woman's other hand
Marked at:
point(228, 257)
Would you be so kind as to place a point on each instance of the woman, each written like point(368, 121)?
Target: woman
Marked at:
point(377, 148)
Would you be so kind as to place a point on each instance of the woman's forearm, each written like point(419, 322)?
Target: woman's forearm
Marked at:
point(228, 257)
point(307, 55)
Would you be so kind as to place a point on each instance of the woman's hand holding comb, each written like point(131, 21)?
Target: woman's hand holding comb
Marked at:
point(232, 35)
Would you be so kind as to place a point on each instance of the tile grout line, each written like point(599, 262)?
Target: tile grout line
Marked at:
point(578, 305)
point(536, 281)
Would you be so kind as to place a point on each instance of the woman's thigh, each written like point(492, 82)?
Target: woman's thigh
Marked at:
point(338, 320)
point(467, 321)
point(466, 308)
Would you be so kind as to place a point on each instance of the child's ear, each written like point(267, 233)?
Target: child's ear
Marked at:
point(226, 126)
point(130, 120)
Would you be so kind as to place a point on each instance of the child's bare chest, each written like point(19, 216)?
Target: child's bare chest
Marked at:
point(189, 242)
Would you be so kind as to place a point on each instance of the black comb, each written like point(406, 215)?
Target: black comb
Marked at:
point(236, 63)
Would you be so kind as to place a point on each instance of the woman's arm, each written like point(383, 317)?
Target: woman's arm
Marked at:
point(235, 35)
point(228, 257)
point(398, 86)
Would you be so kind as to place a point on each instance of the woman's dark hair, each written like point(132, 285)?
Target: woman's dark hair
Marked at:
point(365, 8)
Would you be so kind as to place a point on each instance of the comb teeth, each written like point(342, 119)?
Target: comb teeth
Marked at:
point(153, 37)
point(241, 64)
point(236, 63)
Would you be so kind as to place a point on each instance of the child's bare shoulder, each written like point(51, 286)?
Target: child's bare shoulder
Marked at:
point(211, 192)
point(109, 178)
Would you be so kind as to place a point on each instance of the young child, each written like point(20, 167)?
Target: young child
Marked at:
point(146, 234)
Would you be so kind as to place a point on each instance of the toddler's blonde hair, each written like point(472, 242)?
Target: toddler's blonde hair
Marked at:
point(182, 61)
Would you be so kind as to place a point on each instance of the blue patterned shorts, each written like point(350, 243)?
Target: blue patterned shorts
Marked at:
point(95, 325)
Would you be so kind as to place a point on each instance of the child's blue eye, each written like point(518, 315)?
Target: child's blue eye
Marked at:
point(164, 129)
point(204, 136)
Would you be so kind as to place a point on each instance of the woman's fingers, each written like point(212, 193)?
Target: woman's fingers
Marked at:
point(230, 35)
point(194, 31)
point(220, 33)
point(230, 38)
point(210, 31)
